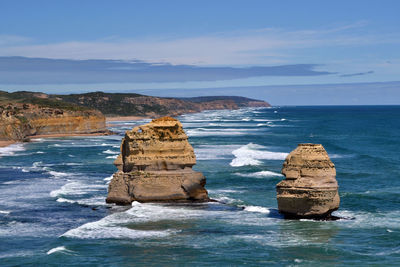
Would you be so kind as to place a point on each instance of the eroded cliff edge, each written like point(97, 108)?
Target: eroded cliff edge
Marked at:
point(155, 165)
point(21, 119)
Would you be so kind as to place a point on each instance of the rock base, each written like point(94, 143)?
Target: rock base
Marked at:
point(157, 186)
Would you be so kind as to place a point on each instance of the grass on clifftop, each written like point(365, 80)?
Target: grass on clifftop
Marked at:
point(38, 99)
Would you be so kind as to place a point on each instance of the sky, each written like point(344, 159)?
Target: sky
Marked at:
point(286, 52)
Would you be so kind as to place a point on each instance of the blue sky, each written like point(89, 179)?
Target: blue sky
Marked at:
point(170, 47)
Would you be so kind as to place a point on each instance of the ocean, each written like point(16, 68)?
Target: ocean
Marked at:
point(53, 210)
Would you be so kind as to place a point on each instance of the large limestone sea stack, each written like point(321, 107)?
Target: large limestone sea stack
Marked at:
point(155, 165)
point(310, 189)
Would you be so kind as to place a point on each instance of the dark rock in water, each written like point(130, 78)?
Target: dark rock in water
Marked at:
point(155, 165)
point(310, 189)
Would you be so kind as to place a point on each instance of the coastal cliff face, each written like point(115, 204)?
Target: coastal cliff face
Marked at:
point(310, 189)
point(113, 104)
point(21, 121)
point(155, 165)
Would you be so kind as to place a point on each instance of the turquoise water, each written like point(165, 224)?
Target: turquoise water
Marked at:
point(52, 192)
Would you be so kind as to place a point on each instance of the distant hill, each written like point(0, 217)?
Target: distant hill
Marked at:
point(123, 104)
point(126, 104)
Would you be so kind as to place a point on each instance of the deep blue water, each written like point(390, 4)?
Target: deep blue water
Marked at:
point(52, 192)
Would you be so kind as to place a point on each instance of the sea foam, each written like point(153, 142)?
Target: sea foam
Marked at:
point(257, 209)
point(58, 249)
point(108, 151)
point(11, 149)
point(260, 174)
point(252, 154)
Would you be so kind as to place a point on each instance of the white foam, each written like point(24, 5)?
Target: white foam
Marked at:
point(61, 199)
point(209, 152)
point(112, 157)
point(11, 149)
point(369, 220)
point(108, 178)
point(228, 200)
point(260, 174)
point(223, 191)
point(251, 154)
point(4, 212)
point(40, 152)
point(105, 144)
point(38, 140)
point(200, 132)
point(58, 174)
point(58, 249)
point(257, 209)
point(76, 188)
point(108, 151)
point(114, 225)
point(94, 201)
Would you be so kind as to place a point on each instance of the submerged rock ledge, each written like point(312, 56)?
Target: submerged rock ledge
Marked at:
point(155, 165)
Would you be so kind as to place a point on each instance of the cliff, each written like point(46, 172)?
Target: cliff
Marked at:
point(24, 115)
point(117, 104)
point(155, 165)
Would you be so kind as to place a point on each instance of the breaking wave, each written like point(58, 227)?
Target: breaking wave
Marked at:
point(11, 149)
point(252, 154)
point(261, 174)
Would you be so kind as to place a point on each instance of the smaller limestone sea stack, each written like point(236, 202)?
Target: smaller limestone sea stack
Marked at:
point(155, 165)
point(310, 189)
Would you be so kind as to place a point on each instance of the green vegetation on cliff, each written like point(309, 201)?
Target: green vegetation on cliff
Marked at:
point(37, 98)
point(124, 104)
point(127, 104)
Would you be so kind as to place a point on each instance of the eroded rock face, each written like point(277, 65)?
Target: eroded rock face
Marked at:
point(155, 164)
point(310, 189)
point(20, 121)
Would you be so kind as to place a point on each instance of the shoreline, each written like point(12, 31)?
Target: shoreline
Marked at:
point(6, 143)
point(109, 120)
point(63, 135)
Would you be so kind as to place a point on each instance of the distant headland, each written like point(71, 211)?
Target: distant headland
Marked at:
point(25, 115)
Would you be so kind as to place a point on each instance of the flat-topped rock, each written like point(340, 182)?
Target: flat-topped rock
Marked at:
point(155, 165)
point(310, 189)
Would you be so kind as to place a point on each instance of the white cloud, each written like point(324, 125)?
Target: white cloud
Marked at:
point(259, 46)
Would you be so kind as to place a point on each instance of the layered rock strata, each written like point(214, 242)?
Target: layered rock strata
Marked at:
point(310, 189)
point(18, 122)
point(155, 165)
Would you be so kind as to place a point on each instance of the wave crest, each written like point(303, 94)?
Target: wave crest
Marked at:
point(252, 154)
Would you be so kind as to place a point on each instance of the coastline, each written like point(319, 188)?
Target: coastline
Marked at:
point(64, 135)
point(33, 137)
point(6, 143)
